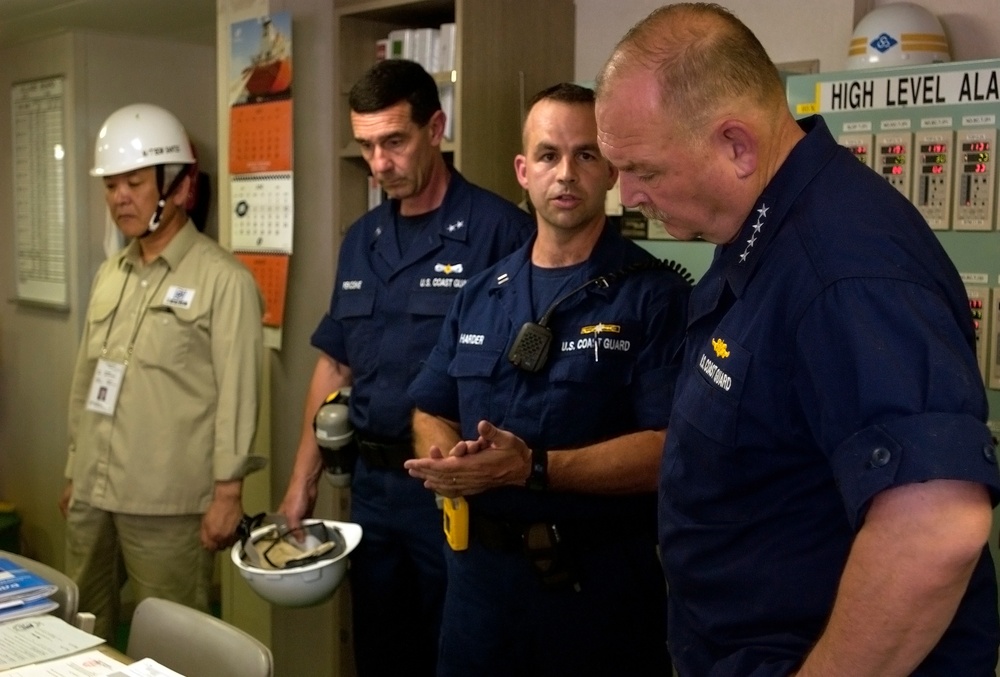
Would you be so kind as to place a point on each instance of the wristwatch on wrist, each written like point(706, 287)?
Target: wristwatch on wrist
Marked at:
point(538, 478)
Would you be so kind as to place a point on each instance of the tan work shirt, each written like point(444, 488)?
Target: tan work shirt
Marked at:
point(187, 410)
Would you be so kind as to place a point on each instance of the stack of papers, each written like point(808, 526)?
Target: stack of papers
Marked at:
point(48, 646)
point(93, 664)
point(33, 640)
point(87, 664)
point(23, 593)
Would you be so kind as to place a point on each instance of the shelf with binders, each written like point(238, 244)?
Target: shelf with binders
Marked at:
point(361, 25)
point(504, 51)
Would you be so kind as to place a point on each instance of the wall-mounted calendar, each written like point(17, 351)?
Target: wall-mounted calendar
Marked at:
point(260, 153)
point(262, 212)
point(271, 273)
point(261, 137)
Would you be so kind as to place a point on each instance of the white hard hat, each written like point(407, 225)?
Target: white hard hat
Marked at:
point(311, 580)
point(900, 34)
point(137, 136)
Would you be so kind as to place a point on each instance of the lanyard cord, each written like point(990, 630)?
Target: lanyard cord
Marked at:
point(135, 331)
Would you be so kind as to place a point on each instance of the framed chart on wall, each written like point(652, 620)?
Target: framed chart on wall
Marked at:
point(40, 193)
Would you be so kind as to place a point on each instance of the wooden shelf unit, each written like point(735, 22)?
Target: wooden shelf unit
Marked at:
point(505, 51)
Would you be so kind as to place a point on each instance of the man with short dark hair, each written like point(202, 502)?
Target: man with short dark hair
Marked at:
point(554, 370)
point(399, 269)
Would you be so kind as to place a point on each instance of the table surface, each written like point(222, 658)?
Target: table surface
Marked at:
point(112, 652)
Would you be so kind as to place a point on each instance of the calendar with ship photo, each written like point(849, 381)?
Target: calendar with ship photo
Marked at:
point(260, 59)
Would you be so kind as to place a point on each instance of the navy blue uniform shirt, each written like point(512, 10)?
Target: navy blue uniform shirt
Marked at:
point(830, 356)
point(610, 368)
point(386, 310)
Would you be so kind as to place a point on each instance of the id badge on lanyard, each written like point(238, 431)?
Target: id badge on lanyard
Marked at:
point(105, 386)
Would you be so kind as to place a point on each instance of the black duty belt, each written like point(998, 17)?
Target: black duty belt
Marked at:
point(383, 453)
point(552, 549)
point(579, 534)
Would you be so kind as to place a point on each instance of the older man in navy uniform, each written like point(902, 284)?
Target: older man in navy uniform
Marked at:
point(399, 269)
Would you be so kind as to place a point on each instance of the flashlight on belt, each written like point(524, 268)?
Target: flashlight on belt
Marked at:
point(335, 437)
point(456, 522)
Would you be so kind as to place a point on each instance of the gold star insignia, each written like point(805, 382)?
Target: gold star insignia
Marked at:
point(720, 347)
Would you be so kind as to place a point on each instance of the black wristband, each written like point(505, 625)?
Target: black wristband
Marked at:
point(538, 478)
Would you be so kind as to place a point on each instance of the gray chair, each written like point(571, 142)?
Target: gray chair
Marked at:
point(67, 595)
point(194, 643)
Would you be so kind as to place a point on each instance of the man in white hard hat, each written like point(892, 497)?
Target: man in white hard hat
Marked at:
point(163, 406)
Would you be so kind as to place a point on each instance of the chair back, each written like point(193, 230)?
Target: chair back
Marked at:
point(194, 643)
point(67, 595)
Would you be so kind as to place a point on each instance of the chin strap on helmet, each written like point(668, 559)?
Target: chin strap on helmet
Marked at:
point(154, 221)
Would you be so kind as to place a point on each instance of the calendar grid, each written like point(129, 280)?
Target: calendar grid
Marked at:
point(263, 212)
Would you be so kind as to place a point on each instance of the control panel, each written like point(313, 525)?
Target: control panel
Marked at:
point(894, 159)
point(860, 145)
point(979, 308)
point(975, 179)
point(935, 154)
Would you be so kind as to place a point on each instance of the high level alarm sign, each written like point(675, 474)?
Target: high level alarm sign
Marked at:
point(901, 90)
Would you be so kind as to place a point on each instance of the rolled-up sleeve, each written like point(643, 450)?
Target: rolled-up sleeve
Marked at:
point(237, 358)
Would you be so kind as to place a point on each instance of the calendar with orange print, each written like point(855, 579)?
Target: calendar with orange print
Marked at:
point(260, 137)
point(271, 273)
point(261, 199)
point(262, 212)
